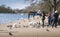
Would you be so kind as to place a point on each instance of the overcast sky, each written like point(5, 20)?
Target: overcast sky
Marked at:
point(20, 4)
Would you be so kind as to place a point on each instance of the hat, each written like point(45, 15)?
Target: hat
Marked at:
point(56, 11)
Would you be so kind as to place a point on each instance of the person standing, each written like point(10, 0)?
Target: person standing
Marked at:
point(39, 13)
point(49, 19)
point(43, 18)
point(55, 20)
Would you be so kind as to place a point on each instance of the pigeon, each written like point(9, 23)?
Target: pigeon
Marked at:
point(47, 29)
point(10, 33)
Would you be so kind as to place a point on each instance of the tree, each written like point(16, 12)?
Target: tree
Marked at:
point(48, 4)
point(5, 9)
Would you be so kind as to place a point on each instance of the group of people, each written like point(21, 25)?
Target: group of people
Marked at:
point(52, 19)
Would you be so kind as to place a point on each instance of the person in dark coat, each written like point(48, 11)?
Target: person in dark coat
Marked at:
point(43, 18)
point(29, 14)
point(33, 13)
point(55, 20)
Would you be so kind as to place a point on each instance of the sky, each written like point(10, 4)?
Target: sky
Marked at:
point(15, 4)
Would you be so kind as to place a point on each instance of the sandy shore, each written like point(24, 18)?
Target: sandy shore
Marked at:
point(28, 31)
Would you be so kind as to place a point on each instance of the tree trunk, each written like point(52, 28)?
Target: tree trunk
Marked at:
point(54, 5)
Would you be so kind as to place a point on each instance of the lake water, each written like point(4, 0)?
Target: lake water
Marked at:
point(5, 17)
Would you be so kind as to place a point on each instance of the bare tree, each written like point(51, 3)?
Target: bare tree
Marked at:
point(47, 4)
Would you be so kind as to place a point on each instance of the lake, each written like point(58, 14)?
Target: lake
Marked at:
point(7, 17)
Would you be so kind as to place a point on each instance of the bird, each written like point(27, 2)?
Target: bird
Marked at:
point(10, 33)
point(47, 29)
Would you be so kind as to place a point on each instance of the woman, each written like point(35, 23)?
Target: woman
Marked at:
point(49, 18)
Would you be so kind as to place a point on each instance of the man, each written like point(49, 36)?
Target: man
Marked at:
point(43, 18)
point(33, 13)
point(55, 20)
